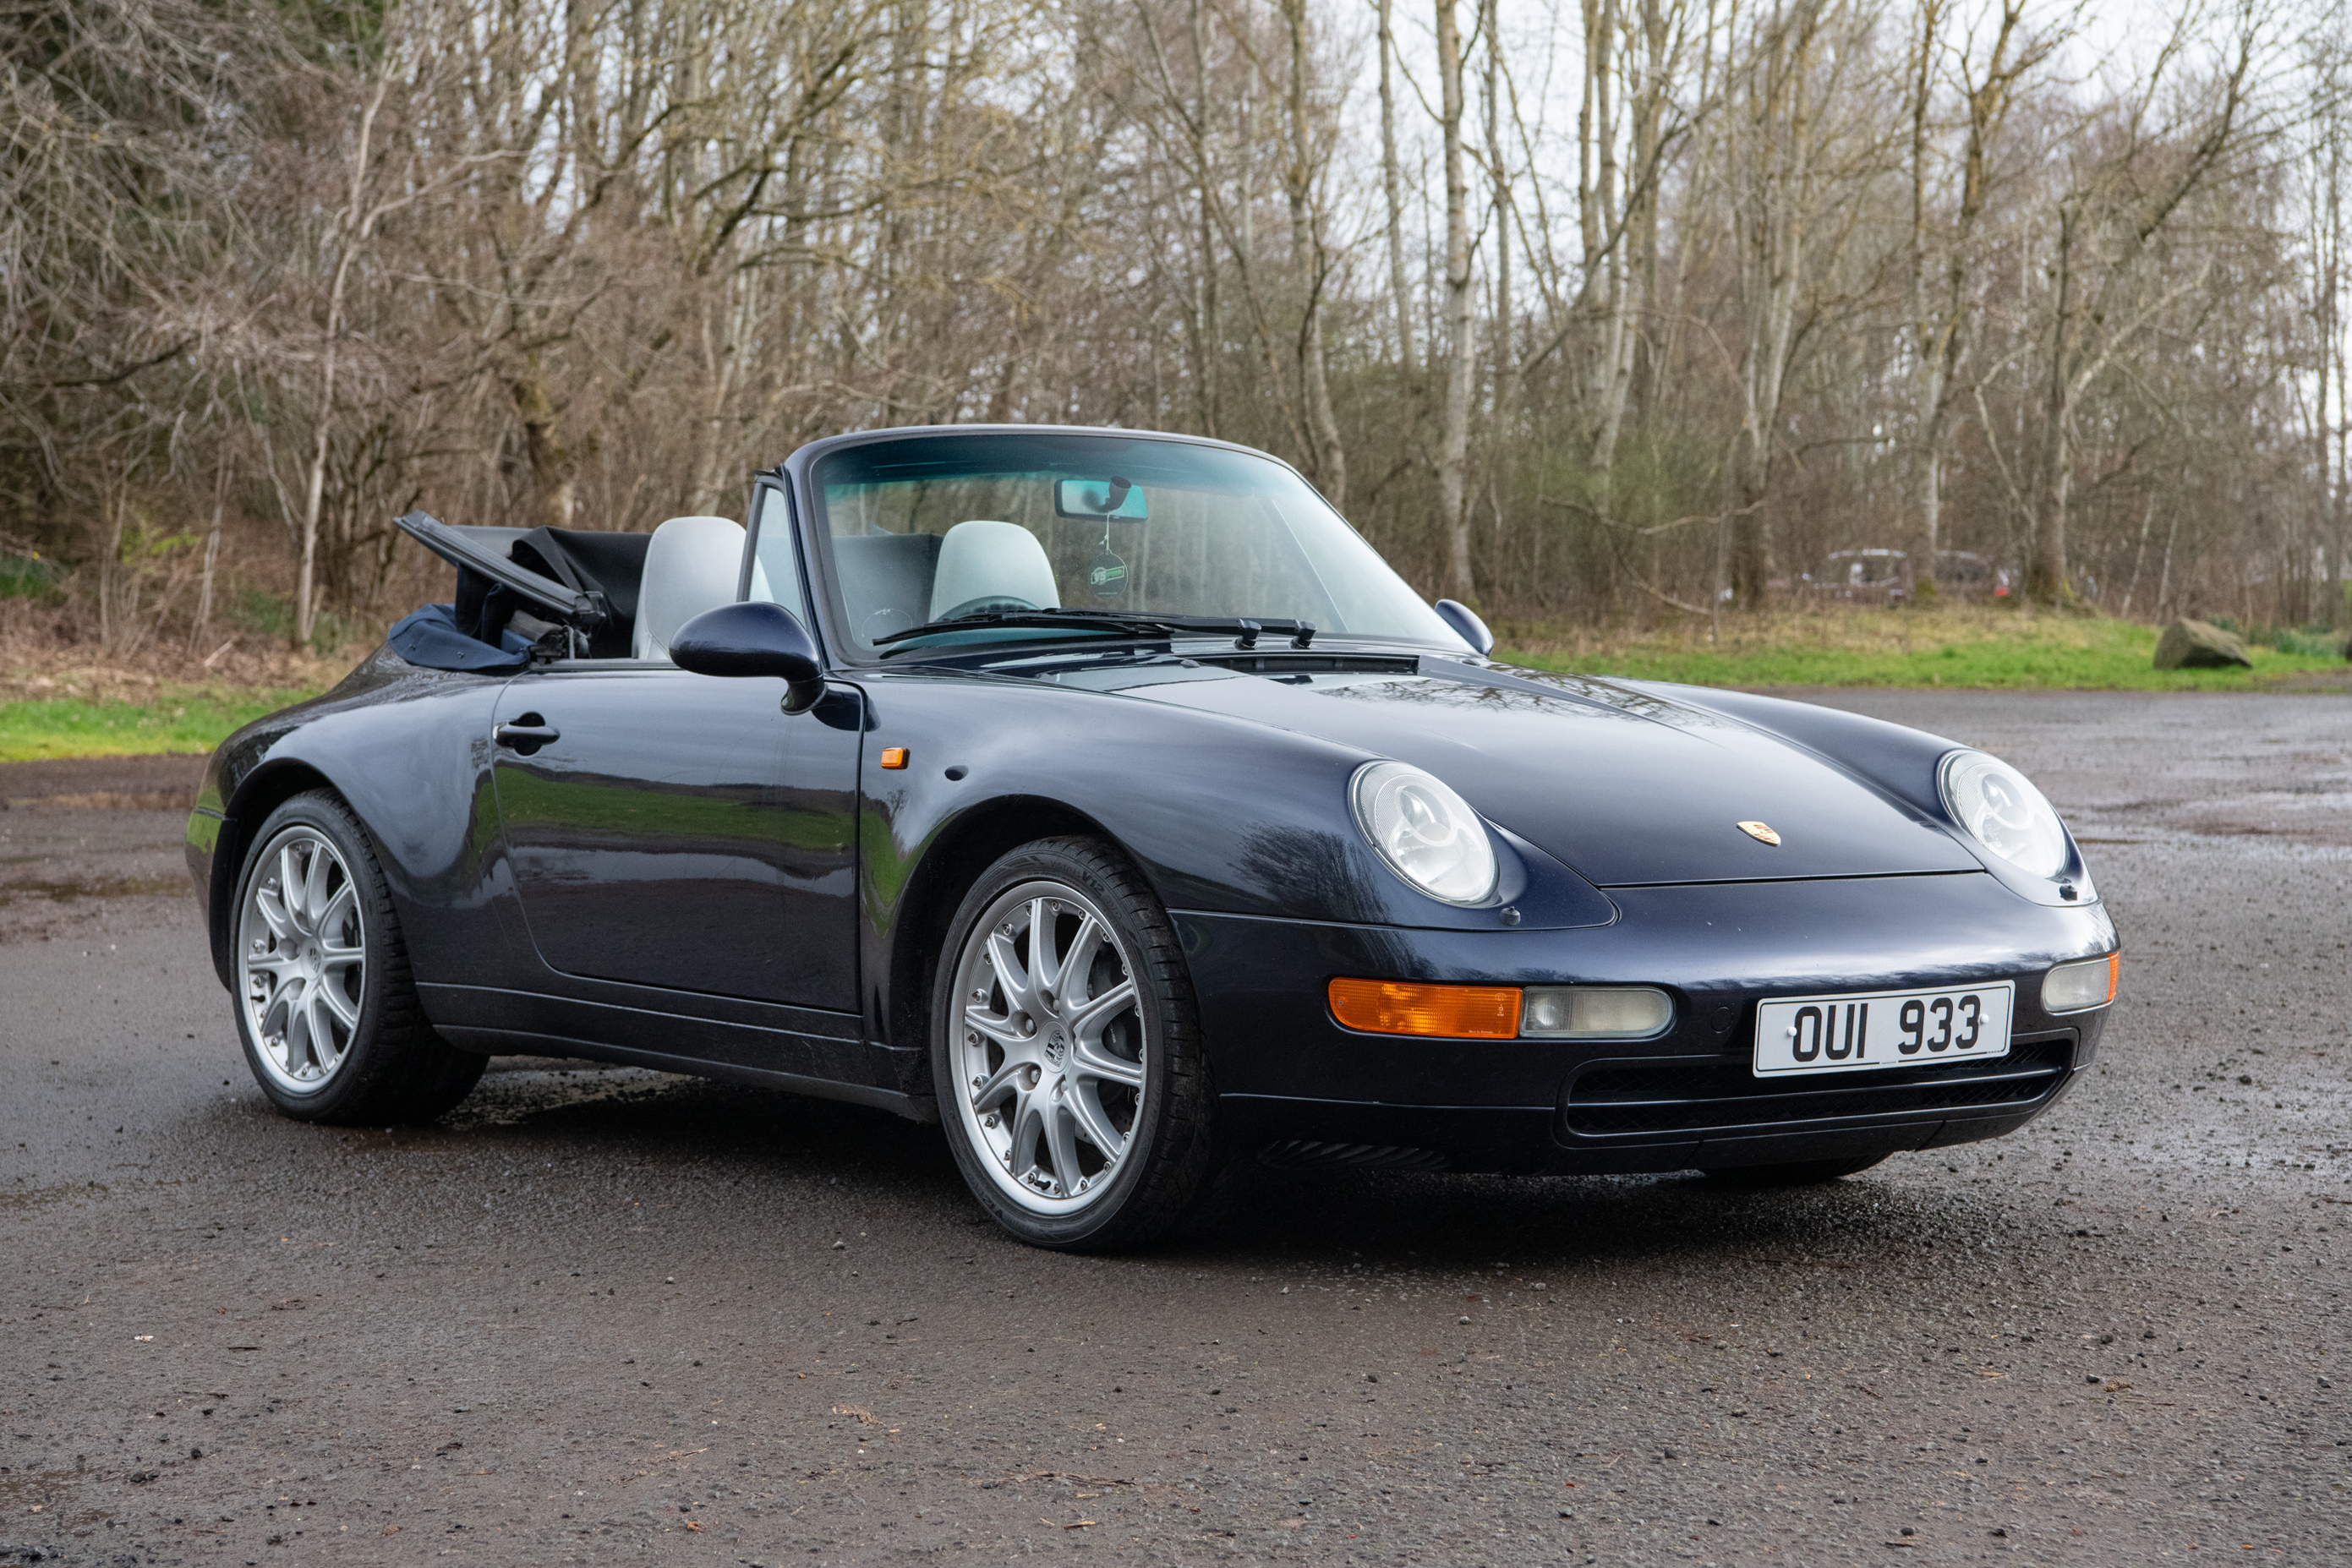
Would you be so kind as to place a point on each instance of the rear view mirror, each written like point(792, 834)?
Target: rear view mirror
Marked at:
point(753, 638)
point(1112, 497)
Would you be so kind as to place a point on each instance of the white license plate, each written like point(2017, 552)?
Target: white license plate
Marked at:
point(1878, 1030)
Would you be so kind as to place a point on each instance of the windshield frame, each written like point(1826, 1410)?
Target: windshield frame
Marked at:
point(823, 591)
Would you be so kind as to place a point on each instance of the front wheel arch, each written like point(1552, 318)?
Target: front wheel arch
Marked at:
point(962, 851)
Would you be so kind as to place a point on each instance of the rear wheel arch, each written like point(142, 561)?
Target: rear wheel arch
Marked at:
point(269, 787)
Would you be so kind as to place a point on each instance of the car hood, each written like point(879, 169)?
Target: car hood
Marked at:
point(1625, 785)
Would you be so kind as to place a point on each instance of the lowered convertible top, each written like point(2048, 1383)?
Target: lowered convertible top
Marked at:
point(582, 582)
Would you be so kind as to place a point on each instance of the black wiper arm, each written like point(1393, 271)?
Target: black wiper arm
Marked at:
point(1041, 619)
point(1246, 630)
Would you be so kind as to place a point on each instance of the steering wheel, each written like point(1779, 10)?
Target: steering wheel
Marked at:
point(985, 603)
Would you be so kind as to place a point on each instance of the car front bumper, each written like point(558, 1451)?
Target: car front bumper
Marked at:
point(1301, 1090)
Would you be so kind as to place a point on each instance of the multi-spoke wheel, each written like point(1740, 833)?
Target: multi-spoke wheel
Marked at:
point(301, 958)
point(1064, 1052)
point(325, 1006)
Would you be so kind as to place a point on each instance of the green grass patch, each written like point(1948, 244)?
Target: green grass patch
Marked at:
point(195, 720)
point(1969, 649)
point(28, 577)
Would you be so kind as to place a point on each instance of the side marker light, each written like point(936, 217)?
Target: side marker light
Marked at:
point(894, 757)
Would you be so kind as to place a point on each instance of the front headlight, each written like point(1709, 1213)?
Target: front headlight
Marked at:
point(2007, 815)
point(1427, 833)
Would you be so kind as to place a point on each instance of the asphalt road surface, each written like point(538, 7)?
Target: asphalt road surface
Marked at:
point(606, 1316)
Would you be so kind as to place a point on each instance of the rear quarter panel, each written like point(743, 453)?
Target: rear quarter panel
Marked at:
point(409, 750)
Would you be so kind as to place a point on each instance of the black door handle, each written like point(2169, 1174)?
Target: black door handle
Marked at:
point(527, 733)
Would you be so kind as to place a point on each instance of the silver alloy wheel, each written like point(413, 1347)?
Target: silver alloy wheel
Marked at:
point(301, 958)
point(1050, 1047)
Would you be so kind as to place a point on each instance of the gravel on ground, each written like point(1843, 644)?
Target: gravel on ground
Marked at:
point(602, 1313)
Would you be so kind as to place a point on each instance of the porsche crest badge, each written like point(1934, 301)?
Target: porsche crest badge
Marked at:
point(1762, 832)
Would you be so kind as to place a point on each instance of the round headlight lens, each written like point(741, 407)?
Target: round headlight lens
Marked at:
point(2007, 814)
point(1427, 833)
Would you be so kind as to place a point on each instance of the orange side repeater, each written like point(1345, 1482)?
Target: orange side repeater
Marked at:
point(1397, 1006)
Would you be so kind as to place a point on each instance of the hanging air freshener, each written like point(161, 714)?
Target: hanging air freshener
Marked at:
point(1108, 576)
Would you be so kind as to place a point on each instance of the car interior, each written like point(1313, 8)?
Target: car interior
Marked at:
point(692, 564)
point(655, 583)
point(893, 582)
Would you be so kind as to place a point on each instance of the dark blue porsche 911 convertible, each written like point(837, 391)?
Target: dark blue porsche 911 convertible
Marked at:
point(1106, 798)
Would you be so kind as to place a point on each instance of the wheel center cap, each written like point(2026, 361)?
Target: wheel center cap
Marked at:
point(1057, 1047)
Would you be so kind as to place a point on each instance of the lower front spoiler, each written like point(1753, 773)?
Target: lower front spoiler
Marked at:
point(1700, 1133)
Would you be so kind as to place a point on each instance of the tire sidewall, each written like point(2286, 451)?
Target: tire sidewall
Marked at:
point(324, 815)
point(1168, 1029)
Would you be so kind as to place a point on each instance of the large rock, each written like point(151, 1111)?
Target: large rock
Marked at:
point(2199, 645)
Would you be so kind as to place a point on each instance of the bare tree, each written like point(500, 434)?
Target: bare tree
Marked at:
point(1461, 346)
point(1947, 252)
point(1823, 274)
point(1797, 159)
point(1392, 195)
point(2130, 175)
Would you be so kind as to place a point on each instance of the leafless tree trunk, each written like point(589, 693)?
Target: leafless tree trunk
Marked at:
point(1799, 160)
point(1460, 307)
point(1944, 258)
point(2331, 67)
point(1392, 192)
point(1310, 258)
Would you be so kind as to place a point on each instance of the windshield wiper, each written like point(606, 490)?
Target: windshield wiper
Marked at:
point(1245, 631)
point(984, 620)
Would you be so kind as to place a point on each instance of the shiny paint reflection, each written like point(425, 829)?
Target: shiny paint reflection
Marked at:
point(683, 832)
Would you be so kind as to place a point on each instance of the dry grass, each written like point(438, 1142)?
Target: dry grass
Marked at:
point(45, 655)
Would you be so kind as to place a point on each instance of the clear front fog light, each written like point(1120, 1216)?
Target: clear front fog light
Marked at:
point(1596, 1012)
point(2073, 988)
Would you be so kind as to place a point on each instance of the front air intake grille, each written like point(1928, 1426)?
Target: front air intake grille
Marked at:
point(1301, 1155)
point(1621, 1099)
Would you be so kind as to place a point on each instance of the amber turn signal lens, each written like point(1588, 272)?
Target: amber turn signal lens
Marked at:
point(1458, 1012)
point(894, 757)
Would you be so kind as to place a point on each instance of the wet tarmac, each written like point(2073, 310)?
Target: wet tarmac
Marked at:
point(609, 1316)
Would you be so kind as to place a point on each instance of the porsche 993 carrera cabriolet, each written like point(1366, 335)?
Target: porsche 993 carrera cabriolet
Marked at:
point(1104, 798)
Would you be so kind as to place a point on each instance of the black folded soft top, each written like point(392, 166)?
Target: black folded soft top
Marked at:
point(513, 581)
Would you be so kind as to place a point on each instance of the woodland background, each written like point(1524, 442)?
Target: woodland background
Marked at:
point(1629, 309)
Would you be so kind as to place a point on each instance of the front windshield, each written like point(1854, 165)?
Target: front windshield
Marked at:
point(930, 528)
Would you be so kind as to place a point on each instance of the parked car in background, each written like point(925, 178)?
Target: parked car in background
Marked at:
point(1964, 574)
point(1869, 575)
point(1883, 576)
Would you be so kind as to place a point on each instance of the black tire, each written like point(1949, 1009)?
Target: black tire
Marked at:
point(1172, 1146)
point(1801, 1173)
point(392, 1067)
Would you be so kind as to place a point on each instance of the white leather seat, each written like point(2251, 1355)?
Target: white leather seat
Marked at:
point(692, 564)
point(982, 560)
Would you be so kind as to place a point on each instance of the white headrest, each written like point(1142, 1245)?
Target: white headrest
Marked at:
point(691, 565)
point(990, 560)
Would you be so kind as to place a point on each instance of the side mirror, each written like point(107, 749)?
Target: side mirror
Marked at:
point(1465, 619)
point(754, 640)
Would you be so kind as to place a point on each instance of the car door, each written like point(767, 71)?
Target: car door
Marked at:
point(681, 832)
